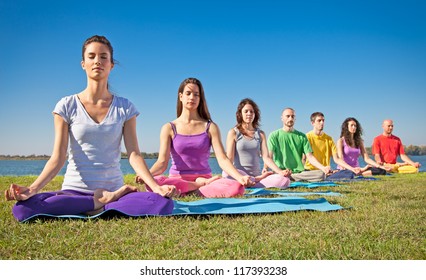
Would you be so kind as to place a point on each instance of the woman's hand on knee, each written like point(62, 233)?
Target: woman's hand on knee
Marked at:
point(139, 180)
point(247, 181)
point(18, 193)
point(168, 191)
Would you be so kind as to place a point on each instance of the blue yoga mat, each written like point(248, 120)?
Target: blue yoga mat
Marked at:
point(263, 192)
point(356, 179)
point(216, 206)
point(252, 205)
point(312, 185)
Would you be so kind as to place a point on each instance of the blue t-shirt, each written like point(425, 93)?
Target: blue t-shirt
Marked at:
point(94, 148)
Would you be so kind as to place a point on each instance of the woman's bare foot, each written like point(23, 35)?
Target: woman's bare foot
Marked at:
point(103, 196)
point(95, 212)
point(204, 181)
point(139, 180)
point(7, 195)
point(263, 175)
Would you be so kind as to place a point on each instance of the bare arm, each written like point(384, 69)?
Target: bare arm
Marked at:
point(267, 159)
point(162, 162)
point(137, 161)
point(265, 165)
point(53, 165)
point(223, 160)
point(366, 157)
point(343, 163)
point(406, 159)
point(376, 148)
point(317, 164)
point(340, 161)
point(378, 159)
point(369, 161)
point(230, 144)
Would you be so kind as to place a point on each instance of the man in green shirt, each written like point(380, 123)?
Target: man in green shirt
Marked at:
point(287, 146)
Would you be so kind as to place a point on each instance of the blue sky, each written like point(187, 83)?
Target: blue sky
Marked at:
point(365, 59)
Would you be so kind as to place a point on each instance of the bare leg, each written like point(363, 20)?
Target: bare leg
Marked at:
point(8, 196)
point(102, 197)
point(204, 181)
point(367, 173)
point(200, 182)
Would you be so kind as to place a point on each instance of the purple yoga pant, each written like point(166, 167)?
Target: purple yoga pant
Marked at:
point(69, 202)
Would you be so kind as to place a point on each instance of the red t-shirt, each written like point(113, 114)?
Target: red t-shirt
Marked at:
point(388, 147)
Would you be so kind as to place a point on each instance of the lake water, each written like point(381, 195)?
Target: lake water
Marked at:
point(34, 167)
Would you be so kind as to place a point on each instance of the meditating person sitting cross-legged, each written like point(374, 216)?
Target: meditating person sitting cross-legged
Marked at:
point(188, 140)
point(246, 143)
point(350, 147)
point(93, 123)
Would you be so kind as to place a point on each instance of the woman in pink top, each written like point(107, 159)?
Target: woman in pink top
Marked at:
point(188, 141)
point(350, 146)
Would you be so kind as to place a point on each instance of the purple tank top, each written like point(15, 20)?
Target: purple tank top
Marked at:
point(190, 153)
point(350, 155)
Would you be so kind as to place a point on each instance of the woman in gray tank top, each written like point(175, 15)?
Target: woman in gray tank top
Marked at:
point(246, 143)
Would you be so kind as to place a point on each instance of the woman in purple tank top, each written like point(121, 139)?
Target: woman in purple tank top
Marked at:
point(188, 140)
point(350, 146)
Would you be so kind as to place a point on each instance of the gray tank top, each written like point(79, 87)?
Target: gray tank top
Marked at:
point(247, 153)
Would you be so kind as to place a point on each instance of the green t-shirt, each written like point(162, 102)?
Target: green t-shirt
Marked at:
point(288, 149)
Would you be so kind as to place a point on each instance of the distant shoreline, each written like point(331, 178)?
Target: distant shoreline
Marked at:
point(46, 157)
point(41, 157)
point(410, 150)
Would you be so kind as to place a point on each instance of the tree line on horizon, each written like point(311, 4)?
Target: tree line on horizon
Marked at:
point(411, 150)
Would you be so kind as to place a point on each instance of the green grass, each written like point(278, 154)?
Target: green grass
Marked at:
point(386, 222)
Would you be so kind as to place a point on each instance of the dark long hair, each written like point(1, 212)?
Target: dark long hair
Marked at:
point(356, 142)
point(102, 40)
point(239, 115)
point(202, 109)
point(98, 39)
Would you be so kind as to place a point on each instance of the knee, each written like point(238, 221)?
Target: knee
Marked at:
point(21, 211)
point(231, 188)
point(318, 176)
point(222, 188)
point(408, 169)
point(276, 181)
point(285, 182)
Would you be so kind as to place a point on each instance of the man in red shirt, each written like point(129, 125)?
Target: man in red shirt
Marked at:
point(386, 149)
